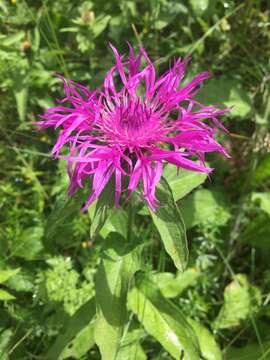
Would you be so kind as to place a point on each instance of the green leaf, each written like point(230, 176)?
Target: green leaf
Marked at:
point(5, 338)
point(5, 295)
point(264, 200)
point(257, 232)
point(171, 285)
point(183, 182)
point(261, 174)
point(205, 207)
point(29, 245)
point(228, 92)
point(73, 331)
point(249, 352)
point(131, 348)
point(79, 346)
point(66, 208)
point(240, 301)
point(6, 274)
point(21, 97)
point(103, 209)
point(201, 7)
point(117, 222)
point(170, 225)
point(23, 281)
point(163, 320)
point(119, 263)
point(208, 345)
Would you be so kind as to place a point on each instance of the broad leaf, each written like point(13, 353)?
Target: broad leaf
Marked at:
point(182, 181)
point(72, 331)
point(163, 320)
point(170, 225)
point(240, 301)
point(119, 263)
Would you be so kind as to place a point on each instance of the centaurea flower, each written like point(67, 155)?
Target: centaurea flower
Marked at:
point(132, 125)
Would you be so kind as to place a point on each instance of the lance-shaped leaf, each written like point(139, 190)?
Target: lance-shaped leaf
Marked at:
point(170, 225)
point(208, 345)
point(119, 263)
point(163, 320)
point(78, 326)
point(130, 347)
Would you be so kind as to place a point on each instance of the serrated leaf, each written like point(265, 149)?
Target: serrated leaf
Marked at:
point(208, 345)
point(119, 263)
point(6, 274)
point(163, 320)
point(182, 182)
point(170, 225)
point(5, 295)
point(75, 325)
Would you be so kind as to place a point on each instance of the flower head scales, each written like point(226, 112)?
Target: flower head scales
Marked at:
point(132, 125)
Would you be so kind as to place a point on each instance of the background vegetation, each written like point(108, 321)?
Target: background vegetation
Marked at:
point(48, 262)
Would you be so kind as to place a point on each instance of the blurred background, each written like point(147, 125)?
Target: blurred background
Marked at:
point(47, 264)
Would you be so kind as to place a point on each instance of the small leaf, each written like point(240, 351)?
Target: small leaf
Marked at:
point(209, 348)
point(6, 274)
point(21, 97)
point(5, 338)
point(170, 225)
point(4, 295)
point(119, 263)
point(29, 245)
point(75, 325)
point(103, 209)
point(264, 200)
point(163, 320)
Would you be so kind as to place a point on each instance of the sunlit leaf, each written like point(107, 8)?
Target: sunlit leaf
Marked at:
point(119, 263)
point(163, 320)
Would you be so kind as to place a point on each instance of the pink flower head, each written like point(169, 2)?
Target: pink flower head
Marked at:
point(132, 125)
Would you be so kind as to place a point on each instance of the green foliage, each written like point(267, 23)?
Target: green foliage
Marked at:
point(65, 275)
point(170, 225)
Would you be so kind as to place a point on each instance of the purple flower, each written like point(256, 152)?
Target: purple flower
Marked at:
point(132, 125)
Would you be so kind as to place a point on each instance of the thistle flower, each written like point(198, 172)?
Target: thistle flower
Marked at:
point(132, 125)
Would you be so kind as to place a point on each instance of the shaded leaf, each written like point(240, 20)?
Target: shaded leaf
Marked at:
point(257, 232)
point(131, 348)
point(29, 245)
point(170, 225)
point(249, 352)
